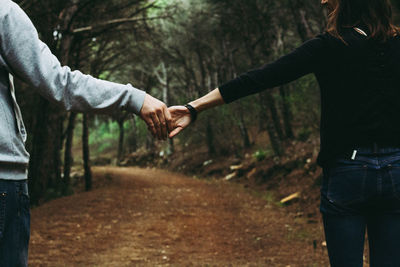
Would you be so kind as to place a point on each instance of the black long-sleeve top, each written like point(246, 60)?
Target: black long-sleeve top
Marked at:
point(359, 83)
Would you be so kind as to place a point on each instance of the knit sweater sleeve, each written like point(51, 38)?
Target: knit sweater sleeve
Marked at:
point(303, 60)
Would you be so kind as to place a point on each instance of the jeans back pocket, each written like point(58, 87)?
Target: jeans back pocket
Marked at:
point(346, 184)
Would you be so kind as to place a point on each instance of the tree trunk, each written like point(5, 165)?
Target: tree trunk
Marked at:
point(300, 15)
point(68, 159)
point(202, 90)
point(86, 156)
point(286, 112)
point(166, 98)
point(150, 145)
point(121, 140)
point(276, 146)
point(45, 164)
point(244, 133)
point(238, 110)
point(270, 103)
point(263, 117)
point(56, 131)
point(269, 126)
point(37, 177)
point(133, 142)
point(210, 138)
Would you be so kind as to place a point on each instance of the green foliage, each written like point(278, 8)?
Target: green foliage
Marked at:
point(261, 154)
point(141, 132)
point(104, 75)
point(105, 136)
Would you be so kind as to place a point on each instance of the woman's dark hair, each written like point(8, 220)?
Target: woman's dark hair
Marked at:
point(376, 15)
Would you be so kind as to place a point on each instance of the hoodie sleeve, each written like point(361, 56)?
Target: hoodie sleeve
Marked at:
point(29, 59)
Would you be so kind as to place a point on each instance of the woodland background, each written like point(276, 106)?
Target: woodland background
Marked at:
point(176, 50)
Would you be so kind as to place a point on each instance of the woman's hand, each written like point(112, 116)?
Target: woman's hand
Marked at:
point(181, 115)
point(180, 119)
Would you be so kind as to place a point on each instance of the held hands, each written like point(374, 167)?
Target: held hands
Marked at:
point(157, 117)
point(161, 120)
point(164, 122)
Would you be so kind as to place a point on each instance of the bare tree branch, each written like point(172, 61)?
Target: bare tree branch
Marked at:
point(114, 22)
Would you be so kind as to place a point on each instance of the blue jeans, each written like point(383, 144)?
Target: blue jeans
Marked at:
point(359, 195)
point(14, 223)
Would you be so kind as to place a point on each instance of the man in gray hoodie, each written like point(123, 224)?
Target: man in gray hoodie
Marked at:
point(23, 55)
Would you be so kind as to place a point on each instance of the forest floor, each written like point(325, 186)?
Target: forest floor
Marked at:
point(147, 217)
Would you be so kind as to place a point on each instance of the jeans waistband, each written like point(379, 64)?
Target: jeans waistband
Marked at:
point(375, 148)
point(369, 154)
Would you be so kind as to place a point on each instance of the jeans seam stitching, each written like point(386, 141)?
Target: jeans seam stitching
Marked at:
point(396, 194)
point(3, 196)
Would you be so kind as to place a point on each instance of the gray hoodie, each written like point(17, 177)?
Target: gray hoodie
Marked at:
point(23, 55)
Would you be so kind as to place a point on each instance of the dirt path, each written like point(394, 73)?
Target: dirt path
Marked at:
point(152, 217)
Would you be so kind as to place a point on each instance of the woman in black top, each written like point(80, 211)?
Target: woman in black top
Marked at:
point(357, 64)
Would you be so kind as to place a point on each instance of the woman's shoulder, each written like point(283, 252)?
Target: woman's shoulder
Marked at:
point(327, 39)
point(349, 38)
point(324, 40)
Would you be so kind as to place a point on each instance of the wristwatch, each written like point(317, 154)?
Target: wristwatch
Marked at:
point(193, 112)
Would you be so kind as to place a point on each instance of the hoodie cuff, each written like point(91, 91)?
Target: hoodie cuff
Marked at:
point(136, 100)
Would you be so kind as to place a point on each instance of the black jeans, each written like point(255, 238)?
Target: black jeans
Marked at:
point(363, 194)
point(14, 223)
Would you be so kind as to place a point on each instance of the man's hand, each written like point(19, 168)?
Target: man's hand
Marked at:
point(180, 118)
point(157, 117)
